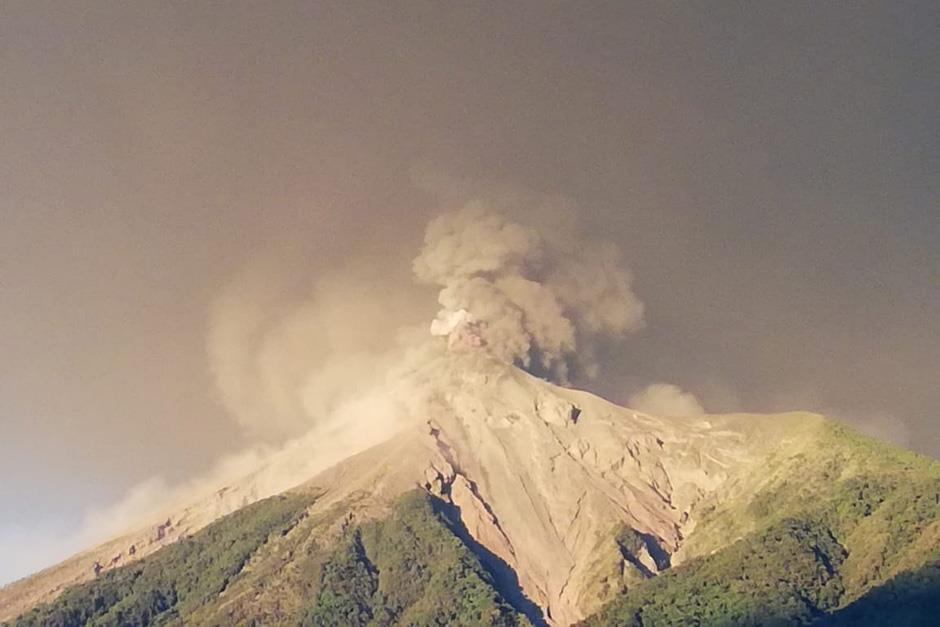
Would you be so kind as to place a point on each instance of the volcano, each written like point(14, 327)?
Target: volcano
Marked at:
point(510, 500)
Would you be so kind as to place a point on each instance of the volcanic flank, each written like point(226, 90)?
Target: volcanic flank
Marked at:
point(543, 477)
point(440, 481)
point(544, 481)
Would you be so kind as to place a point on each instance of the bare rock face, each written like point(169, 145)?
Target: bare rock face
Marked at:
point(545, 480)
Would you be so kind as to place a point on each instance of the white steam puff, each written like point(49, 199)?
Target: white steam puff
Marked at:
point(665, 399)
point(540, 298)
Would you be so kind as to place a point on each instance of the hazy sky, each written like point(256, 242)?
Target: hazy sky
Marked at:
point(771, 170)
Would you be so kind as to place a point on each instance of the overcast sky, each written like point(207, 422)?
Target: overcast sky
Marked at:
point(771, 170)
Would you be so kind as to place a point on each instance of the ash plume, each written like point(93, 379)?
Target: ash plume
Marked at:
point(540, 298)
point(288, 358)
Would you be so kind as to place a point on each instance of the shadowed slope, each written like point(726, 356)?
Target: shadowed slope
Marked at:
point(910, 599)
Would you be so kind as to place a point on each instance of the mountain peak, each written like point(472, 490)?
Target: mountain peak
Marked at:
point(546, 477)
point(567, 500)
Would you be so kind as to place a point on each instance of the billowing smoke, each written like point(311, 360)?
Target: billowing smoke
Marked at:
point(539, 298)
point(284, 362)
point(315, 369)
point(287, 359)
point(666, 399)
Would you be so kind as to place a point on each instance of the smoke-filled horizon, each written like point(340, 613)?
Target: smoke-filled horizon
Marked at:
point(218, 226)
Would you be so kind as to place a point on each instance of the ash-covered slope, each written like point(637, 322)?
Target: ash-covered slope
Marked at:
point(545, 477)
point(568, 502)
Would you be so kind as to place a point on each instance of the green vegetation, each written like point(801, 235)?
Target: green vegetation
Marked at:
point(348, 583)
point(176, 579)
point(263, 565)
point(814, 545)
point(408, 569)
point(909, 599)
point(786, 572)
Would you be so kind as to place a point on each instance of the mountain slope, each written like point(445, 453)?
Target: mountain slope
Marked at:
point(177, 579)
point(825, 526)
point(408, 567)
point(571, 506)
